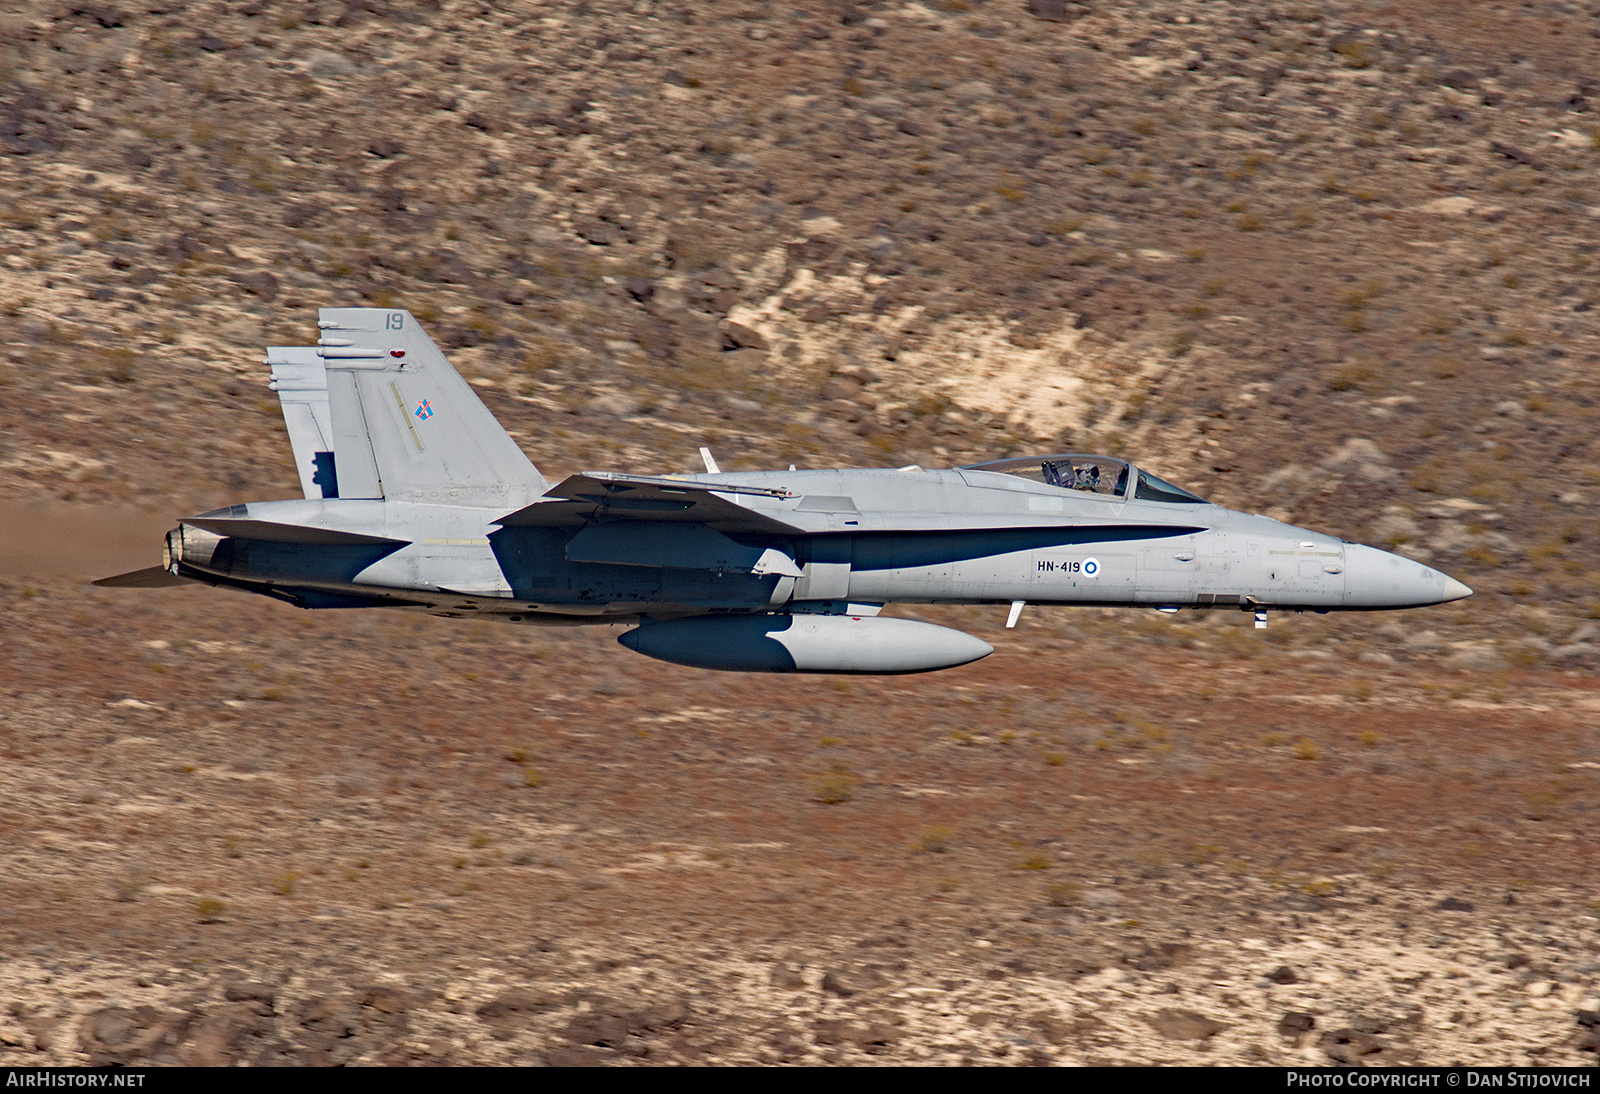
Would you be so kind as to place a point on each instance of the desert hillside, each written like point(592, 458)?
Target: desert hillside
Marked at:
point(1332, 262)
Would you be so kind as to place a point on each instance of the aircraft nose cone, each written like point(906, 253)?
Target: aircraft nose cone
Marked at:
point(1378, 579)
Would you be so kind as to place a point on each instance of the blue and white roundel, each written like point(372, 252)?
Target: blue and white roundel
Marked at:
point(1091, 567)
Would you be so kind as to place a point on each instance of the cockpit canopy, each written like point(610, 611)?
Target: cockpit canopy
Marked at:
point(1105, 476)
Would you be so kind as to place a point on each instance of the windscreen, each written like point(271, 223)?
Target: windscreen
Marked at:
point(1150, 488)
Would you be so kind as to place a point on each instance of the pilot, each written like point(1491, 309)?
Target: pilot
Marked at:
point(1089, 478)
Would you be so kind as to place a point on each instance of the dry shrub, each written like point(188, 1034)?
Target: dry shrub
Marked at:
point(1063, 894)
point(834, 786)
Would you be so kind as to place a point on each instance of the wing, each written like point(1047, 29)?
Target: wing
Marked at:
point(151, 577)
point(584, 498)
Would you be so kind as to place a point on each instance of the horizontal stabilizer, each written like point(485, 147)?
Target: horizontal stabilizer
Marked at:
point(151, 577)
point(290, 533)
point(579, 498)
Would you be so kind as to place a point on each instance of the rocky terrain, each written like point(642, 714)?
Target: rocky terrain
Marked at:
point(1328, 261)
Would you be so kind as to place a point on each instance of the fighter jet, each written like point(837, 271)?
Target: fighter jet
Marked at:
point(416, 498)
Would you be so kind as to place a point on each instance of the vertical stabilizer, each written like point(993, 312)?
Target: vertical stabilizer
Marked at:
point(406, 423)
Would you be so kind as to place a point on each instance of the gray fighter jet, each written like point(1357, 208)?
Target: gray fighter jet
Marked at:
point(416, 498)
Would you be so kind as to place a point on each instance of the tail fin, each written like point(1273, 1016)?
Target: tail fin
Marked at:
point(302, 386)
point(405, 425)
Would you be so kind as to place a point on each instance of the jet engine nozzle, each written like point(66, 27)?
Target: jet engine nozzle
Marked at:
point(805, 643)
point(189, 545)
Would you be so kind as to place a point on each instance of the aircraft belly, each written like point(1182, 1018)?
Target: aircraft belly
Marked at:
point(905, 583)
point(700, 591)
point(401, 570)
point(534, 560)
point(277, 562)
point(1006, 576)
point(468, 572)
point(467, 567)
